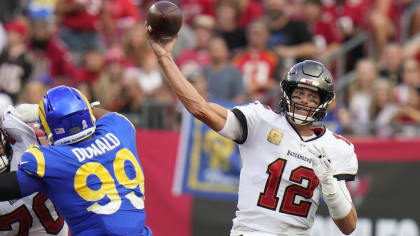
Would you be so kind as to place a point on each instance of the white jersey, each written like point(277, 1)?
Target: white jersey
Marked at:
point(33, 215)
point(278, 191)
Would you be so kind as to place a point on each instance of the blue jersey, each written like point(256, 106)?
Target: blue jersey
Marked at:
point(97, 185)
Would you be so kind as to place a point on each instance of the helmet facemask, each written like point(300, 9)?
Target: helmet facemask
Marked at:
point(6, 155)
point(312, 113)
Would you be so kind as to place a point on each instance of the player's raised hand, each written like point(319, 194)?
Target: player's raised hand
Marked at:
point(161, 47)
point(163, 22)
point(322, 168)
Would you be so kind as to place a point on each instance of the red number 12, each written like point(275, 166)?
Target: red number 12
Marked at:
point(268, 199)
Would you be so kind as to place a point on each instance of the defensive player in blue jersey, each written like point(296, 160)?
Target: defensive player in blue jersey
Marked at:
point(90, 171)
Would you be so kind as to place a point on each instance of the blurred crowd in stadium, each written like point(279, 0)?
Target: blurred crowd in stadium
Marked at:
point(235, 50)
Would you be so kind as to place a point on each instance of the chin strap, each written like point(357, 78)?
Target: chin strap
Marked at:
point(298, 119)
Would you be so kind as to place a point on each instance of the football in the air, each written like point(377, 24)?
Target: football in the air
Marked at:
point(164, 19)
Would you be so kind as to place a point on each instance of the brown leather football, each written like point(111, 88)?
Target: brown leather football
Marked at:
point(164, 19)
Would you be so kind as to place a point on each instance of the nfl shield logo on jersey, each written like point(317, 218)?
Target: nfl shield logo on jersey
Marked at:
point(275, 137)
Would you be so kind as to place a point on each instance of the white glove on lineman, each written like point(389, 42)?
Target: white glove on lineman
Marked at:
point(28, 113)
point(338, 205)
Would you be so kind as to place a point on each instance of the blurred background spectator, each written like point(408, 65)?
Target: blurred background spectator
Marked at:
point(79, 23)
point(236, 50)
point(110, 79)
point(407, 117)
point(123, 15)
point(410, 80)
point(52, 62)
point(10, 9)
point(93, 64)
point(198, 55)
point(32, 92)
point(257, 63)
point(193, 8)
point(224, 81)
point(290, 39)
point(360, 96)
point(382, 108)
point(322, 27)
point(391, 62)
point(15, 66)
point(249, 10)
point(227, 14)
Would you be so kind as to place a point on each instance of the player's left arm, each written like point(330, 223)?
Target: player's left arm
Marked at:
point(18, 184)
point(9, 186)
point(99, 112)
point(348, 223)
point(334, 192)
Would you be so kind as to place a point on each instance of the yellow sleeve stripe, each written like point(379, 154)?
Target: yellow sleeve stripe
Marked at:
point(126, 119)
point(40, 160)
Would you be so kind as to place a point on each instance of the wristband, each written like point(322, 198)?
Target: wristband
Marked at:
point(338, 205)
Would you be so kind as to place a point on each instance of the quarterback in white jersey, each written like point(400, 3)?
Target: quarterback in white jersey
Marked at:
point(278, 191)
point(287, 164)
point(34, 215)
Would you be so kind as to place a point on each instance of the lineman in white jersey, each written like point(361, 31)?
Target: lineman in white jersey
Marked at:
point(33, 215)
point(286, 164)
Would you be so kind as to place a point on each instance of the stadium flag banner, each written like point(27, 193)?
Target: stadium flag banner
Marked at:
point(208, 164)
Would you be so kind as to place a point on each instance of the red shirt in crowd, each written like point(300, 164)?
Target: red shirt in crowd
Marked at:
point(87, 76)
point(60, 60)
point(85, 20)
point(193, 59)
point(257, 67)
point(193, 8)
point(325, 31)
point(251, 12)
point(356, 10)
point(54, 60)
point(123, 12)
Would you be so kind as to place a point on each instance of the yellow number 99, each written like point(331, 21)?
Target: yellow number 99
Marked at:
point(124, 155)
point(108, 187)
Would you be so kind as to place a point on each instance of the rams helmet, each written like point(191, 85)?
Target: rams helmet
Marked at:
point(66, 116)
point(311, 75)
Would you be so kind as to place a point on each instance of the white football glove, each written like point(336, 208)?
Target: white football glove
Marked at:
point(339, 205)
point(322, 168)
point(28, 113)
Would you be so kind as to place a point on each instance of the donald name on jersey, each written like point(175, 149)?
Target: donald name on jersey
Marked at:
point(100, 146)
